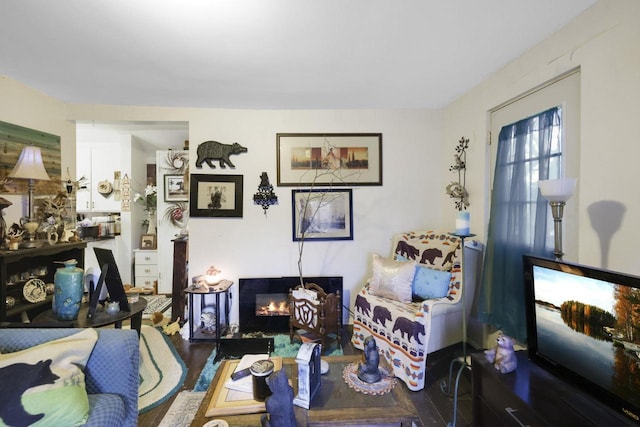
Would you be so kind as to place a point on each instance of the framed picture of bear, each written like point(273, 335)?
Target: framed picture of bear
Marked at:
point(215, 196)
point(148, 241)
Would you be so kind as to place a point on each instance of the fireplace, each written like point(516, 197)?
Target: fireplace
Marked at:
point(276, 304)
point(264, 302)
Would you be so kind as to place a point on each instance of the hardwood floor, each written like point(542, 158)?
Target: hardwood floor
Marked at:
point(436, 408)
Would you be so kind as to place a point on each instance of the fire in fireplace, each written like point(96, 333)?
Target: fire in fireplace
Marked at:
point(264, 302)
point(272, 305)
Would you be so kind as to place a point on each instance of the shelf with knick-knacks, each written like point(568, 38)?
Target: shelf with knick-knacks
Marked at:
point(26, 278)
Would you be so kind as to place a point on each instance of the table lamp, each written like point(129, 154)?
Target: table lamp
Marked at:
point(30, 167)
point(557, 192)
point(212, 276)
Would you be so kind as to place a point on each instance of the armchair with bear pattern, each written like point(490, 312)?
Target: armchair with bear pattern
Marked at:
point(413, 304)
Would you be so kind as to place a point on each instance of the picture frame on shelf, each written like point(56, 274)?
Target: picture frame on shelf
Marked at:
point(336, 159)
point(322, 214)
point(215, 195)
point(148, 241)
point(175, 189)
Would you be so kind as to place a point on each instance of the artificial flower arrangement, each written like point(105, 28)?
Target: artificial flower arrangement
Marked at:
point(149, 199)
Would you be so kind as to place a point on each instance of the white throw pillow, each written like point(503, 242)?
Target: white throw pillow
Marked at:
point(392, 279)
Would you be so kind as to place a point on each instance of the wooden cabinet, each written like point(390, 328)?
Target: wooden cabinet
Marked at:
point(532, 396)
point(17, 267)
point(146, 268)
point(180, 277)
point(97, 162)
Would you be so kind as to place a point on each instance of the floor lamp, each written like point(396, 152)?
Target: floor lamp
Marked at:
point(30, 167)
point(464, 363)
point(557, 192)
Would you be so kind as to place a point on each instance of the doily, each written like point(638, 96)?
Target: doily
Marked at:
point(384, 386)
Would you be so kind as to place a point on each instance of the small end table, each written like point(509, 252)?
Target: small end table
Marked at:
point(196, 331)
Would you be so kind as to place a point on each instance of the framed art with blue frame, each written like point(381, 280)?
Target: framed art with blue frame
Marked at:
point(322, 214)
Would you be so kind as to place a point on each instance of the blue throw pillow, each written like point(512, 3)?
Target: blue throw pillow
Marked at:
point(428, 283)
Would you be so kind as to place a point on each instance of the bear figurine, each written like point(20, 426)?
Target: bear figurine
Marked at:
point(503, 356)
point(279, 405)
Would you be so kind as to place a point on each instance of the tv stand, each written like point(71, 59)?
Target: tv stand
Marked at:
point(533, 396)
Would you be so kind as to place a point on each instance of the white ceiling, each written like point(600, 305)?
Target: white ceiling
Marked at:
point(269, 54)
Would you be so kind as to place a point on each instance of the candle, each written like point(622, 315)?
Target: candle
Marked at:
point(463, 223)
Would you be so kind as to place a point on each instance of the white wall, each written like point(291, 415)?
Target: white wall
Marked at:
point(262, 246)
point(605, 43)
point(257, 246)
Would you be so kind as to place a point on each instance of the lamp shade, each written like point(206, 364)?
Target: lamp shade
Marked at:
point(29, 165)
point(557, 190)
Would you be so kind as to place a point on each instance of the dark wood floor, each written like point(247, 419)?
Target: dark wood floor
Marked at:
point(436, 408)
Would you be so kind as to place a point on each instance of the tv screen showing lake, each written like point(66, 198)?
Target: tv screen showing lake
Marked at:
point(591, 327)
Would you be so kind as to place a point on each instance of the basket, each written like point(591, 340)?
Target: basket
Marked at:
point(88, 232)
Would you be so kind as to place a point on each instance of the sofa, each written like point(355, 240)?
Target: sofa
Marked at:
point(413, 303)
point(111, 373)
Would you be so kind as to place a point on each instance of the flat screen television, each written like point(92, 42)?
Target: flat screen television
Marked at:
point(584, 326)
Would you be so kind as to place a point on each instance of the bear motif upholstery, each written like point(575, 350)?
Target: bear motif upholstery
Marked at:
point(406, 332)
point(111, 373)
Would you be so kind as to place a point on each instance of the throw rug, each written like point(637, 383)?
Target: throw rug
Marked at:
point(183, 408)
point(283, 348)
point(162, 371)
point(155, 303)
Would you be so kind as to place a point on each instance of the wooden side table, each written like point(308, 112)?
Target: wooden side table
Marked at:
point(196, 326)
point(100, 318)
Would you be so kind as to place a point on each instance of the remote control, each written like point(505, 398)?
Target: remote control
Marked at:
point(241, 374)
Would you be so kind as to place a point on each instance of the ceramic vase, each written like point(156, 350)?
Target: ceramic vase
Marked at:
point(151, 218)
point(69, 287)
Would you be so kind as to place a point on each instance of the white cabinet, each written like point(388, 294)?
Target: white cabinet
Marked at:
point(97, 162)
point(146, 268)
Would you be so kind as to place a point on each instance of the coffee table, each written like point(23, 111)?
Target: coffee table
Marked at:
point(100, 318)
point(335, 405)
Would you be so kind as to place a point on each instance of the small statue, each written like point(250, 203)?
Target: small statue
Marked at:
point(208, 318)
point(369, 371)
point(172, 328)
point(503, 355)
point(280, 404)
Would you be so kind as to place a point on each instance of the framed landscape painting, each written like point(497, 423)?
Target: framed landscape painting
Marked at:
point(336, 159)
point(216, 196)
point(174, 189)
point(322, 214)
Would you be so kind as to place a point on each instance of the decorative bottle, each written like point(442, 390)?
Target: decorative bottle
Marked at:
point(69, 287)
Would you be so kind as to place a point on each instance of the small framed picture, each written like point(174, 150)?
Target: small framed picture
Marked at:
point(148, 241)
point(322, 214)
point(215, 196)
point(175, 189)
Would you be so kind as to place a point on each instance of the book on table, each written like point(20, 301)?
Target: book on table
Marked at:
point(244, 384)
point(226, 401)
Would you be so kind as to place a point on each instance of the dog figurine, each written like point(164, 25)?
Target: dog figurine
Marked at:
point(503, 356)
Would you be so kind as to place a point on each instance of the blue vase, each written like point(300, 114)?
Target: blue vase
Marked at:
point(69, 287)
